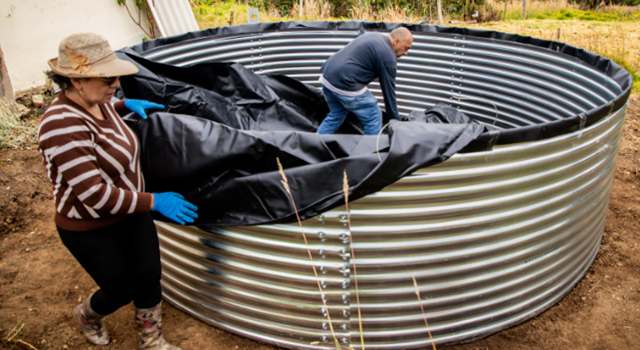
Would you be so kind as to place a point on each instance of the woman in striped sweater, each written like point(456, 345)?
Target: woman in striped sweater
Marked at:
point(102, 211)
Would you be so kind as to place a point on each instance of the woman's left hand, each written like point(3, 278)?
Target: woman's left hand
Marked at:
point(139, 106)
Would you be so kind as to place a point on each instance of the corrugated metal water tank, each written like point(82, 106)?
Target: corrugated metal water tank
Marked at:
point(492, 237)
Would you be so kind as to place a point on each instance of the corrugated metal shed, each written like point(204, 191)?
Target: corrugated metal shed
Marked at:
point(173, 17)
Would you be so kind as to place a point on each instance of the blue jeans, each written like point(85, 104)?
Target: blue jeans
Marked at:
point(364, 106)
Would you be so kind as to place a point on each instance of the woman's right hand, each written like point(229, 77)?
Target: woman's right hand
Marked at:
point(173, 206)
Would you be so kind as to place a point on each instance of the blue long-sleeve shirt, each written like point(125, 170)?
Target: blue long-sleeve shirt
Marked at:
point(364, 59)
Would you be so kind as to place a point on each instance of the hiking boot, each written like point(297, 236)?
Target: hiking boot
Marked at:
point(90, 323)
point(149, 324)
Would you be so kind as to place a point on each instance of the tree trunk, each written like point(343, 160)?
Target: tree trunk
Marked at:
point(524, 9)
point(439, 3)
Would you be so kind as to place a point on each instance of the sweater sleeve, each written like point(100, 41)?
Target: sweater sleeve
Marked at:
point(70, 154)
point(387, 79)
point(118, 105)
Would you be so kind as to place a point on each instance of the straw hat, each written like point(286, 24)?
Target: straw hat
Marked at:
point(88, 55)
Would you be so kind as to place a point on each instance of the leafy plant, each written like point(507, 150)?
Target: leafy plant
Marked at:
point(143, 8)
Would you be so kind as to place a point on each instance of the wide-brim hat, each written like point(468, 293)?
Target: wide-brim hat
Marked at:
point(88, 55)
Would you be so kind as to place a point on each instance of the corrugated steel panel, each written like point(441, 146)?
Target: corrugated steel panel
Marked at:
point(173, 17)
point(493, 238)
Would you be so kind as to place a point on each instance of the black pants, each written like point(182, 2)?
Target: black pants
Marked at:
point(123, 259)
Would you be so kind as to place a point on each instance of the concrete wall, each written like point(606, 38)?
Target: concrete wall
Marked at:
point(30, 31)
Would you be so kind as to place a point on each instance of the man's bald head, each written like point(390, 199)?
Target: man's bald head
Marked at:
point(401, 40)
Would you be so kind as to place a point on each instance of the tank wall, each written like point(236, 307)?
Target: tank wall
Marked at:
point(492, 238)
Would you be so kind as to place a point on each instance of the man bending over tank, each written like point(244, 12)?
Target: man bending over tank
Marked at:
point(347, 73)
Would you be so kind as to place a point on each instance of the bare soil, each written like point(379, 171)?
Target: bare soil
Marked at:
point(40, 282)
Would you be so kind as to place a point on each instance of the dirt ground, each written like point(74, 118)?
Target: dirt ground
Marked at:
point(40, 282)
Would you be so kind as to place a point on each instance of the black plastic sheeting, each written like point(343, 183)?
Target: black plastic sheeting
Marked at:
point(225, 126)
point(440, 113)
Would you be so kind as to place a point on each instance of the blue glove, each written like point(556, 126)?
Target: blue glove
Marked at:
point(139, 106)
point(175, 207)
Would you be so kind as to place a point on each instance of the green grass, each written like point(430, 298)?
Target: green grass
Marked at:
point(614, 14)
point(221, 13)
point(582, 15)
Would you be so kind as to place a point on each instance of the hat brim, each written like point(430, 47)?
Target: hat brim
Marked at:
point(112, 68)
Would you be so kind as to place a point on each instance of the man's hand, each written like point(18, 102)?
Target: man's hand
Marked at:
point(139, 106)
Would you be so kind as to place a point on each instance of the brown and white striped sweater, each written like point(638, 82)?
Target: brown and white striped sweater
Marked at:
point(94, 166)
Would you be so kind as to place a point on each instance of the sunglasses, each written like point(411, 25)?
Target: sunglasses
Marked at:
point(109, 80)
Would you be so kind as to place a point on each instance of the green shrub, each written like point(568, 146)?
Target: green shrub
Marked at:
point(593, 4)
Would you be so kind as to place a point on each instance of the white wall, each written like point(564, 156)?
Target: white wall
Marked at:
point(30, 31)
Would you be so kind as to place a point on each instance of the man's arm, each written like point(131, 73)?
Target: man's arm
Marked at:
point(388, 86)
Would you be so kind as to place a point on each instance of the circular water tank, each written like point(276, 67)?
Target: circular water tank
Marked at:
point(491, 238)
